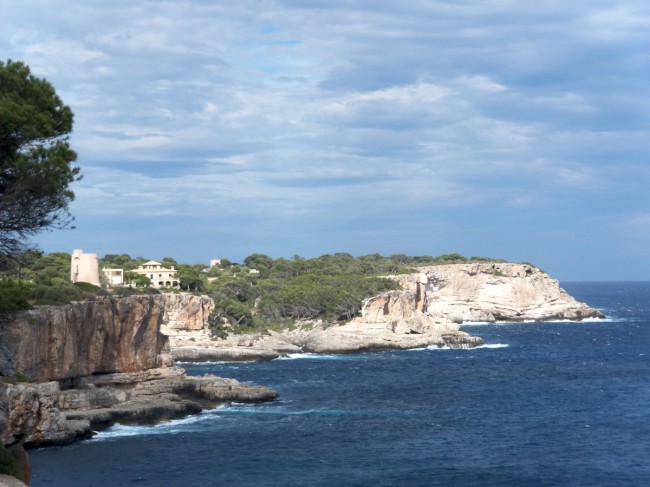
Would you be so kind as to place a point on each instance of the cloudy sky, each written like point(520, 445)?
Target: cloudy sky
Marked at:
point(517, 130)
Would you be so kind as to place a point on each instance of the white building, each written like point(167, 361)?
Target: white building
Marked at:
point(160, 276)
point(114, 277)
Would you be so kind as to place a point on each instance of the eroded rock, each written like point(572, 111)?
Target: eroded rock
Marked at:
point(101, 361)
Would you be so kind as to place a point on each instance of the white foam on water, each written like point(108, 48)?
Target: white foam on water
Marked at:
point(318, 356)
point(203, 362)
point(486, 345)
point(599, 320)
point(505, 323)
point(167, 427)
point(586, 320)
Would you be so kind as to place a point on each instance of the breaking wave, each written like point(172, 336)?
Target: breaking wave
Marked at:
point(169, 427)
point(315, 356)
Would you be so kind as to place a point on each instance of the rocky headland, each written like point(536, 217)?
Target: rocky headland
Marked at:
point(109, 360)
point(96, 362)
point(426, 312)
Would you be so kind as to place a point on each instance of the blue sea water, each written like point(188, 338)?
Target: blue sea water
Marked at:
point(543, 404)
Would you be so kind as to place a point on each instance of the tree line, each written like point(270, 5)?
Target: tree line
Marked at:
point(259, 293)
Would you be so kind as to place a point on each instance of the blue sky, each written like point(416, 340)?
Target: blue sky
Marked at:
point(516, 130)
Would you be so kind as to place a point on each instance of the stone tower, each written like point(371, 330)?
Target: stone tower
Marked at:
point(84, 268)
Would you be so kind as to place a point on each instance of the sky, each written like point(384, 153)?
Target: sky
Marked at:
point(211, 129)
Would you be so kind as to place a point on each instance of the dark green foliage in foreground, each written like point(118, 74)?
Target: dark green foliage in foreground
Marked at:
point(7, 463)
point(14, 295)
point(36, 168)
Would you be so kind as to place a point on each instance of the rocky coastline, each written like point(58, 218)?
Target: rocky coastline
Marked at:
point(94, 363)
point(426, 312)
point(107, 360)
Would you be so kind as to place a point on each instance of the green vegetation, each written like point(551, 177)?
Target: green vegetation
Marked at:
point(35, 157)
point(261, 294)
point(330, 288)
point(33, 278)
point(14, 295)
point(7, 462)
point(15, 379)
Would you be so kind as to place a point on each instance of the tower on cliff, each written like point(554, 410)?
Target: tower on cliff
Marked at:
point(84, 268)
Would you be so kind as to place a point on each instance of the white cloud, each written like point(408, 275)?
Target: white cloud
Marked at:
point(618, 24)
point(312, 108)
point(481, 83)
point(570, 102)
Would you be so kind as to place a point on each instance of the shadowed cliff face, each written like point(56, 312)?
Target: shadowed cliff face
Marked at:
point(102, 336)
point(106, 361)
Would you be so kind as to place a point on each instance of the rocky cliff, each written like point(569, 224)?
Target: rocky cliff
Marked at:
point(483, 292)
point(425, 312)
point(97, 362)
point(186, 312)
point(102, 336)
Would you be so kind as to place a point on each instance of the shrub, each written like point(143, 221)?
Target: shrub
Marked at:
point(14, 295)
point(86, 287)
point(7, 463)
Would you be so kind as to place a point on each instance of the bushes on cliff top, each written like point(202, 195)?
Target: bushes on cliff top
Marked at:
point(318, 296)
point(14, 295)
point(329, 288)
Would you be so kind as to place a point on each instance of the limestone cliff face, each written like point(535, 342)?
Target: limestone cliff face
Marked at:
point(104, 360)
point(106, 335)
point(31, 411)
point(186, 311)
point(479, 292)
point(425, 312)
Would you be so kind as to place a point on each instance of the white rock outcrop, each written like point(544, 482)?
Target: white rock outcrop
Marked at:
point(490, 292)
point(427, 311)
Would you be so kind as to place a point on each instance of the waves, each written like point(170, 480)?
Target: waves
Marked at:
point(190, 423)
point(217, 418)
point(290, 356)
point(313, 356)
point(203, 362)
point(446, 347)
point(513, 411)
point(507, 323)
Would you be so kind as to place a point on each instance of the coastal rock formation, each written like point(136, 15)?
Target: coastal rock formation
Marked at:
point(186, 312)
point(44, 414)
point(364, 336)
point(412, 330)
point(427, 311)
point(487, 292)
point(8, 481)
point(102, 336)
point(355, 336)
point(98, 362)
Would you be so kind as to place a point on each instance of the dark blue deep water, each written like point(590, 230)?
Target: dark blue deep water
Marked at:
point(546, 404)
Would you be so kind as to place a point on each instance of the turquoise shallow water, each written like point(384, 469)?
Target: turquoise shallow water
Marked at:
point(543, 404)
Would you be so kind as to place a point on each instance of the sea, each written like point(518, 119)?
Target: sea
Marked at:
point(540, 404)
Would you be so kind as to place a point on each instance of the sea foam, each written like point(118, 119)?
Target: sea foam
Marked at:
point(317, 356)
point(165, 428)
